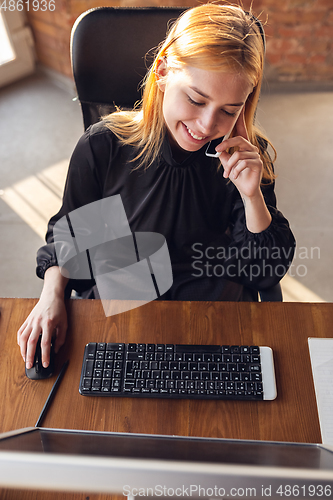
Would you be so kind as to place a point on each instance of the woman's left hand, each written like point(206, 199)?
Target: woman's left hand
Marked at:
point(244, 167)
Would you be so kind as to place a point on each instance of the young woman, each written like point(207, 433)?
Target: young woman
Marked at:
point(225, 236)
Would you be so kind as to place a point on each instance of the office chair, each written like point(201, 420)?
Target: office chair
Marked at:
point(108, 52)
point(111, 49)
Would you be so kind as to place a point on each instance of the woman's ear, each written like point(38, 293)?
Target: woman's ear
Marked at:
point(161, 72)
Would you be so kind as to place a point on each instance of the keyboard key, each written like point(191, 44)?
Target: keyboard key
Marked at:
point(203, 367)
point(96, 383)
point(137, 356)
point(90, 351)
point(254, 349)
point(89, 368)
point(86, 385)
point(254, 368)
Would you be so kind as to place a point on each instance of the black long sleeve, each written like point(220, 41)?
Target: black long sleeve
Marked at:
point(200, 214)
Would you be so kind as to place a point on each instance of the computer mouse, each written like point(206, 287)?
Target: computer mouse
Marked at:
point(38, 372)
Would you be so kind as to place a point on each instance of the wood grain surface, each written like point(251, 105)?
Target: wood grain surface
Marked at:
point(285, 327)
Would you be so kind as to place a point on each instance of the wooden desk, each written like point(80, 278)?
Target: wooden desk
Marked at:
point(283, 326)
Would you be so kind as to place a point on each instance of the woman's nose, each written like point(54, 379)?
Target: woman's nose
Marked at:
point(207, 122)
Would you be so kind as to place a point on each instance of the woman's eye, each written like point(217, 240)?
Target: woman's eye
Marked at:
point(195, 103)
point(229, 114)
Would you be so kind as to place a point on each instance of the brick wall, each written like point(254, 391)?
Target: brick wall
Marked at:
point(299, 34)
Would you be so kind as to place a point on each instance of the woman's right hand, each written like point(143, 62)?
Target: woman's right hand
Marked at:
point(48, 318)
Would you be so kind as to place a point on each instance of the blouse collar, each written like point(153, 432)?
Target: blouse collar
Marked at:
point(168, 156)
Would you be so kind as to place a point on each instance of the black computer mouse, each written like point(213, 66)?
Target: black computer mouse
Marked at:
point(38, 372)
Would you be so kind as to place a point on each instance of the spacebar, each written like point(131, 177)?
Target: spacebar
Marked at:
point(197, 348)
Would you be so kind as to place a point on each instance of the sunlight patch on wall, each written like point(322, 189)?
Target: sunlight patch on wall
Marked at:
point(7, 53)
point(294, 291)
point(38, 197)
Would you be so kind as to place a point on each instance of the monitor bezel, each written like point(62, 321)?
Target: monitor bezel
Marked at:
point(96, 474)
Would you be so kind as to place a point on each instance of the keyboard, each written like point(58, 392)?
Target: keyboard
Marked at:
point(178, 371)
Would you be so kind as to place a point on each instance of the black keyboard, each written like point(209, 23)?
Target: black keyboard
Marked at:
point(172, 371)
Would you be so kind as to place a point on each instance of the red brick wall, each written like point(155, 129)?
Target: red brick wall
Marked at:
point(299, 34)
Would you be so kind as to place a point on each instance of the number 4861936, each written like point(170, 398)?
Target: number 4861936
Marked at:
point(35, 5)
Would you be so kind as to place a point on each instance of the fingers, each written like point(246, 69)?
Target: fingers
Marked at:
point(34, 326)
point(238, 142)
point(243, 166)
point(27, 341)
point(28, 338)
point(46, 346)
point(239, 161)
point(20, 331)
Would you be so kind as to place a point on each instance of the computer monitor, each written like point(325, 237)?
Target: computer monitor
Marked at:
point(141, 465)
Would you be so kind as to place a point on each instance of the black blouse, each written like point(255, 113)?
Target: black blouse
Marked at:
point(213, 254)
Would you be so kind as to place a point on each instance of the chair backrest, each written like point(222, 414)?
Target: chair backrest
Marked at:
point(110, 55)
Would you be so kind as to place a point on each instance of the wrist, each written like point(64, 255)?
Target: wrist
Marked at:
point(257, 215)
point(256, 198)
point(54, 282)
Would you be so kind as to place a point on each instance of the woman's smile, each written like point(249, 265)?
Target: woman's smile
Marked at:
point(194, 135)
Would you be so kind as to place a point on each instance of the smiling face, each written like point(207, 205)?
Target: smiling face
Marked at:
point(200, 105)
